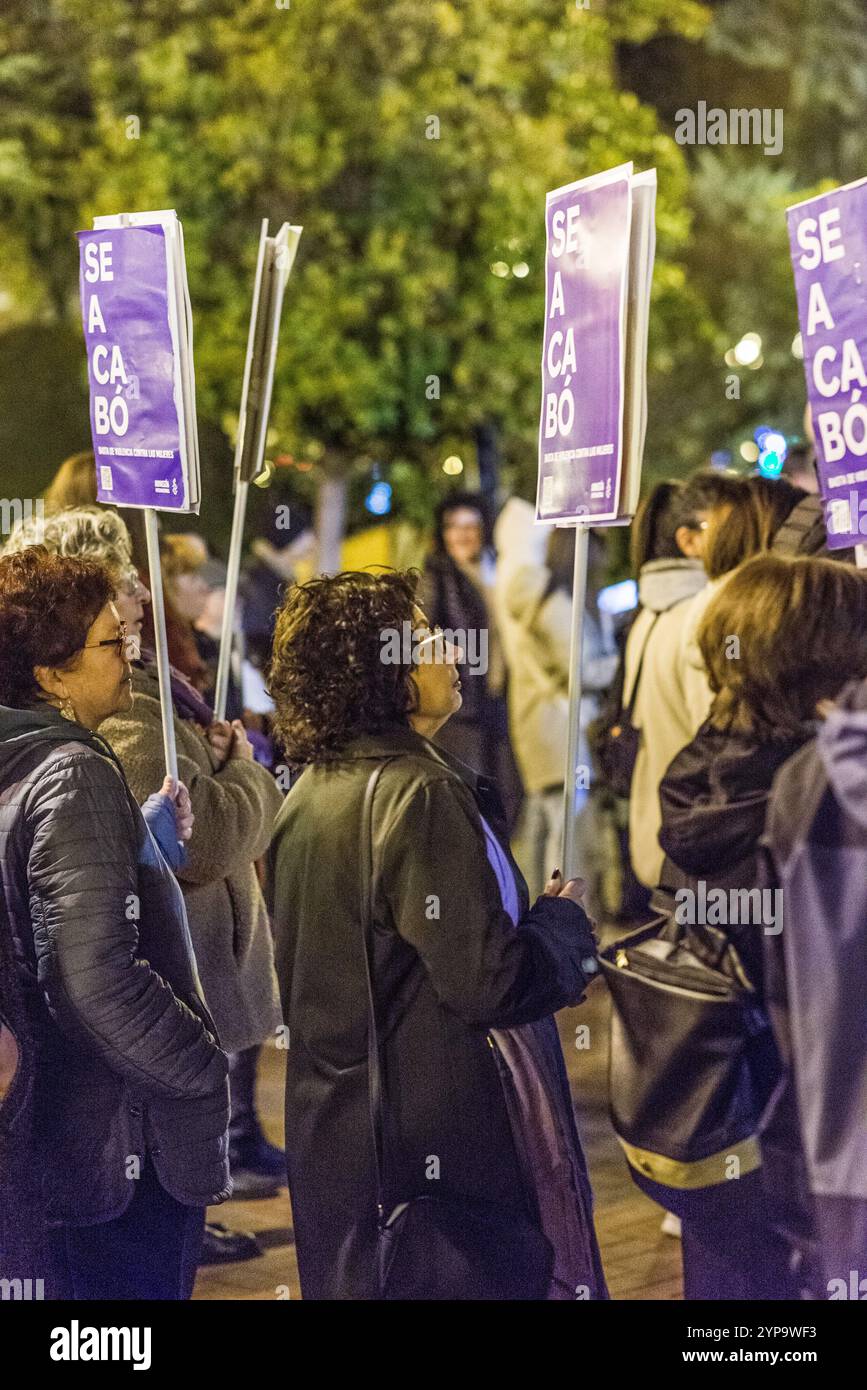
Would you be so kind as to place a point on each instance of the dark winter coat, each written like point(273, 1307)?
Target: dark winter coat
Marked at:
point(714, 799)
point(117, 1055)
point(448, 966)
point(814, 1145)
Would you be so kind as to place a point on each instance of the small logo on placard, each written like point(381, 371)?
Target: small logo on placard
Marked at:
point(161, 485)
point(839, 516)
point(106, 481)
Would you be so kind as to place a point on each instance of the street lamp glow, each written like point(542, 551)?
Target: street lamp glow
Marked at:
point(748, 350)
point(500, 268)
point(749, 450)
point(453, 465)
point(521, 270)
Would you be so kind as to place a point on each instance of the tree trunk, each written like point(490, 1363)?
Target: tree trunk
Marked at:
point(330, 520)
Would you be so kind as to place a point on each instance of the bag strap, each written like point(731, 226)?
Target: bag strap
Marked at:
point(633, 694)
point(374, 1072)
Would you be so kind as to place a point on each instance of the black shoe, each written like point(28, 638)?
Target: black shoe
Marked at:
point(251, 1187)
point(224, 1247)
point(256, 1155)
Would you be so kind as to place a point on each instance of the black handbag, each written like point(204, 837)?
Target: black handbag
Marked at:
point(430, 1247)
point(614, 741)
point(692, 1061)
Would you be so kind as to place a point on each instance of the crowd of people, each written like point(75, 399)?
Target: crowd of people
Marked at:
point(394, 914)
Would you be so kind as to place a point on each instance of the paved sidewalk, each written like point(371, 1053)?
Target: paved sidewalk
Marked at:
point(640, 1262)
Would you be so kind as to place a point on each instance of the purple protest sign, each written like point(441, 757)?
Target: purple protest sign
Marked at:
point(131, 367)
point(828, 238)
point(581, 426)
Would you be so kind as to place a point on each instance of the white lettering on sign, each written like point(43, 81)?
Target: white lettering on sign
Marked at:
point(565, 240)
point(567, 362)
point(558, 303)
point(95, 321)
point(839, 435)
point(97, 261)
point(822, 248)
point(116, 371)
point(818, 313)
point(110, 415)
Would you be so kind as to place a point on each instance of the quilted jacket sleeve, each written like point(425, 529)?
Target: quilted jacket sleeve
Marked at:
point(234, 808)
point(445, 902)
point(82, 874)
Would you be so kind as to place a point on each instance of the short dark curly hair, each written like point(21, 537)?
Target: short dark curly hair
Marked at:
point(48, 603)
point(327, 675)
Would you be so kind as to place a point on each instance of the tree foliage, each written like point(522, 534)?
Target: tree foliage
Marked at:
point(414, 140)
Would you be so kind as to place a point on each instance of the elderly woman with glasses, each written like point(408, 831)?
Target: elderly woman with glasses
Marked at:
point(113, 1096)
point(234, 801)
point(396, 898)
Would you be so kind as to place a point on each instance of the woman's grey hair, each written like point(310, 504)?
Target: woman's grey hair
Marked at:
point(86, 532)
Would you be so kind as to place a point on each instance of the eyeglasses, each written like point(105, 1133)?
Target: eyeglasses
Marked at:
point(128, 646)
point(431, 645)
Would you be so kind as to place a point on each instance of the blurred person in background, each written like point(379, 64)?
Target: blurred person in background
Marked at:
point(668, 542)
point(737, 519)
point(182, 558)
point(282, 550)
point(207, 630)
point(801, 629)
point(458, 596)
point(799, 468)
point(538, 600)
point(74, 483)
point(235, 802)
point(472, 1065)
point(113, 1105)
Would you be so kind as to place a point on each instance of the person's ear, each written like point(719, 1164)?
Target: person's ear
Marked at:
point(49, 679)
point(687, 541)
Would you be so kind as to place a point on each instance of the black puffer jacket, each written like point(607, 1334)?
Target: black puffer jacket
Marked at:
point(714, 799)
point(117, 1054)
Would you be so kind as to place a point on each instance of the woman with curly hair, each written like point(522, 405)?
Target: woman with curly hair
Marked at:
point(113, 1096)
point(394, 891)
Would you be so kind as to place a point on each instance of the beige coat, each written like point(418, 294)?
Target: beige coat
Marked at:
point(539, 649)
point(673, 700)
point(234, 810)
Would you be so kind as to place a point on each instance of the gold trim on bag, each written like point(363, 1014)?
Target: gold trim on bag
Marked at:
point(703, 1172)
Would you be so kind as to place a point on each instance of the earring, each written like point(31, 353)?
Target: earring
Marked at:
point(67, 709)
